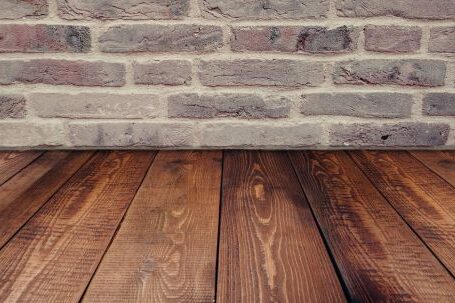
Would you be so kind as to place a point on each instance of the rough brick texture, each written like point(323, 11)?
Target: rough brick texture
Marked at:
point(44, 38)
point(268, 74)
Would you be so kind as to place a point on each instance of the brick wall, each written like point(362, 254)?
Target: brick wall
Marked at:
point(227, 73)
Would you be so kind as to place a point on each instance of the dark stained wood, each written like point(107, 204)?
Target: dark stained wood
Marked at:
point(441, 162)
point(27, 191)
point(270, 247)
point(53, 257)
point(378, 255)
point(421, 197)
point(12, 162)
point(165, 250)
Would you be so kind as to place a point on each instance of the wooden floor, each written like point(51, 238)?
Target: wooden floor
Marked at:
point(234, 226)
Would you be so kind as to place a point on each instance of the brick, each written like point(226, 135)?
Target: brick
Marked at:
point(395, 39)
point(161, 38)
point(246, 106)
point(95, 105)
point(442, 40)
point(439, 104)
point(17, 9)
point(380, 105)
point(129, 134)
point(123, 9)
point(259, 135)
point(294, 39)
point(12, 106)
point(287, 73)
point(276, 9)
point(410, 72)
point(389, 135)
point(27, 134)
point(412, 9)
point(62, 72)
point(44, 38)
point(166, 72)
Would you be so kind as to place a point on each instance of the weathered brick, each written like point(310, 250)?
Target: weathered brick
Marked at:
point(17, 9)
point(123, 9)
point(16, 134)
point(94, 105)
point(161, 38)
point(294, 39)
point(411, 72)
point(166, 72)
point(392, 38)
point(413, 9)
point(12, 106)
point(129, 134)
point(439, 104)
point(247, 106)
point(288, 73)
point(389, 135)
point(44, 38)
point(276, 9)
point(259, 135)
point(62, 72)
point(381, 105)
point(442, 39)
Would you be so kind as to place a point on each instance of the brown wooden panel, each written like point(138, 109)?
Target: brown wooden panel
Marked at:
point(12, 162)
point(422, 198)
point(165, 250)
point(378, 255)
point(270, 246)
point(27, 191)
point(441, 162)
point(53, 257)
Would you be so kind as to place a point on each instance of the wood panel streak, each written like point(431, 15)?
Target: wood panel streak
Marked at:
point(270, 246)
point(165, 250)
point(378, 255)
point(441, 162)
point(52, 258)
point(12, 162)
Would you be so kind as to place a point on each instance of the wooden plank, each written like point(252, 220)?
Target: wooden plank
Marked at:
point(441, 162)
point(270, 246)
point(28, 190)
point(421, 197)
point(12, 162)
point(165, 250)
point(53, 257)
point(378, 255)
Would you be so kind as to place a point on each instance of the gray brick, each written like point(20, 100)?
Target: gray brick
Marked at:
point(161, 38)
point(439, 104)
point(381, 105)
point(287, 73)
point(123, 9)
point(247, 106)
point(94, 105)
point(166, 72)
point(131, 135)
point(12, 106)
point(389, 135)
point(411, 72)
point(396, 39)
point(442, 39)
point(259, 135)
point(27, 134)
point(17, 9)
point(276, 9)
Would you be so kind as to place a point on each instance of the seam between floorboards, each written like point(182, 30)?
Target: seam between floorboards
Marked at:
point(344, 287)
point(218, 243)
point(402, 218)
point(20, 170)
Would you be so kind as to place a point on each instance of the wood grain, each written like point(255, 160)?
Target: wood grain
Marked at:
point(53, 257)
point(12, 162)
point(165, 250)
point(27, 191)
point(270, 247)
point(441, 162)
point(378, 255)
point(421, 197)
